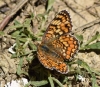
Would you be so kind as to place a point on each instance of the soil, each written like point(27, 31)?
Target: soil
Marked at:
point(85, 17)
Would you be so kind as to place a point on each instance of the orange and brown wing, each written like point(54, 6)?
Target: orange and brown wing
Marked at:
point(65, 45)
point(57, 44)
point(60, 25)
point(51, 60)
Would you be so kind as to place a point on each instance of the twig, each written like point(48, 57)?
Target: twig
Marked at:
point(73, 9)
point(87, 25)
point(13, 12)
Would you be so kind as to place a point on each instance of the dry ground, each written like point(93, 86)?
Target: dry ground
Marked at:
point(85, 16)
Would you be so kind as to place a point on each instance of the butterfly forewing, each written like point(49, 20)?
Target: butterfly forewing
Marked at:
point(60, 25)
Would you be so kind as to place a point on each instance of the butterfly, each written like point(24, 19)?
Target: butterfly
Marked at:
point(58, 45)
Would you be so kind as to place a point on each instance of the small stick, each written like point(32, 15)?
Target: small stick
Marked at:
point(13, 12)
point(83, 27)
point(73, 9)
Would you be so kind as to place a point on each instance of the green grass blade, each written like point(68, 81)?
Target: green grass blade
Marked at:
point(51, 81)
point(58, 82)
point(50, 4)
point(37, 83)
